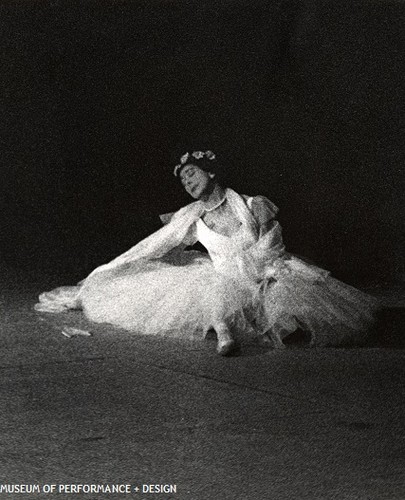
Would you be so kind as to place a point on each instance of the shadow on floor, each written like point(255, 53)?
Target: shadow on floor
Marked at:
point(388, 332)
point(390, 329)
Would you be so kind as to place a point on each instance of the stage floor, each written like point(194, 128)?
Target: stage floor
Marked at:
point(116, 408)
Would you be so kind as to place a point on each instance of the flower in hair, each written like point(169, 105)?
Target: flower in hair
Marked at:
point(198, 155)
point(184, 158)
point(195, 154)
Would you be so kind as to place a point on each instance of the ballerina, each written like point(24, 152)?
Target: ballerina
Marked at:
point(246, 283)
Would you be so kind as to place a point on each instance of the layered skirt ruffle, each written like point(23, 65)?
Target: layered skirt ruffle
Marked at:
point(184, 296)
point(332, 312)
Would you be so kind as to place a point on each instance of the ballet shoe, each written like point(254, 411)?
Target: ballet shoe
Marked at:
point(226, 347)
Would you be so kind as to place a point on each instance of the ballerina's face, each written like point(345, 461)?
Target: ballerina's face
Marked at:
point(196, 181)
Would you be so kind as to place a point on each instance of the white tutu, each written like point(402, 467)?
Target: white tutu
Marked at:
point(332, 312)
point(181, 297)
point(247, 282)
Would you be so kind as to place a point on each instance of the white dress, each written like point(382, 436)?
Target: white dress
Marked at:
point(246, 281)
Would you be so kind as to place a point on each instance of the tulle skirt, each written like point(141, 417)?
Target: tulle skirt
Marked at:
point(185, 296)
point(332, 312)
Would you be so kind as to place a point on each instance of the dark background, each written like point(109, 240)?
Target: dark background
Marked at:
point(302, 102)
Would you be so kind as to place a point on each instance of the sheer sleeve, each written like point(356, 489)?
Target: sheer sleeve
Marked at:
point(166, 218)
point(191, 236)
point(263, 209)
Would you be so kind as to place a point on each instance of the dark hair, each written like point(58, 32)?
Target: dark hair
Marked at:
point(203, 163)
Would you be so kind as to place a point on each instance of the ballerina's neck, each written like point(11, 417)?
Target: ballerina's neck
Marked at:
point(215, 200)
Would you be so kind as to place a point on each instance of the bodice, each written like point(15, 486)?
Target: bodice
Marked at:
point(226, 252)
point(245, 254)
point(221, 247)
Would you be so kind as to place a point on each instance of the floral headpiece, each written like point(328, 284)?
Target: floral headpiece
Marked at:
point(197, 155)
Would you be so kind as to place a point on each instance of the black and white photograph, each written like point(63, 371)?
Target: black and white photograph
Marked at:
point(202, 273)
